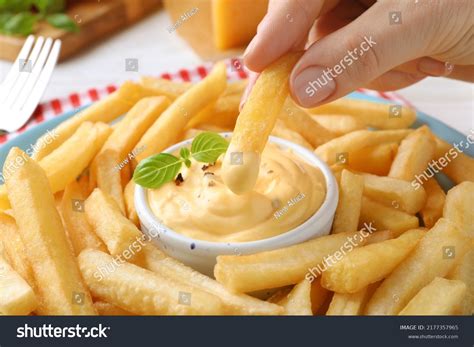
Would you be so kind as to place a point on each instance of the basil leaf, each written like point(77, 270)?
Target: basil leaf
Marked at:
point(50, 6)
point(208, 146)
point(62, 21)
point(21, 24)
point(157, 170)
point(184, 153)
point(15, 5)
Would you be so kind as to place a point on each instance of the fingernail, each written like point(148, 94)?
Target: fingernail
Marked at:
point(313, 85)
point(249, 47)
point(435, 68)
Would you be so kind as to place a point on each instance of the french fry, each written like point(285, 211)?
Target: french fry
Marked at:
point(14, 249)
point(16, 296)
point(298, 301)
point(319, 295)
point(59, 283)
point(441, 297)
point(350, 201)
point(435, 199)
point(129, 197)
point(168, 127)
point(375, 160)
point(437, 253)
point(376, 115)
point(340, 124)
point(458, 208)
point(106, 309)
point(379, 236)
point(414, 154)
point(331, 151)
point(131, 128)
point(255, 124)
point(464, 272)
point(393, 192)
point(75, 221)
point(106, 169)
point(160, 86)
point(105, 110)
point(141, 291)
point(460, 166)
point(351, 304)
point(386, 218)
point(239, 304)
point(369, 264)
point(300, 121)
point(280, 130)
point(118, 233)
point(248, 273)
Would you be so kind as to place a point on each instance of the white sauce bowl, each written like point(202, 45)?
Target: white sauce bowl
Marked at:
point(201, 255)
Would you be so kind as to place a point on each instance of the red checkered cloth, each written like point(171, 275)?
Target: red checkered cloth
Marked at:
point(235, 71)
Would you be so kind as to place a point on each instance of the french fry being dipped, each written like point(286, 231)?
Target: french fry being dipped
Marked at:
point(241, 162)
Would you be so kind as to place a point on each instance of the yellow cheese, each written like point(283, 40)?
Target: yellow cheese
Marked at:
point(235, 21)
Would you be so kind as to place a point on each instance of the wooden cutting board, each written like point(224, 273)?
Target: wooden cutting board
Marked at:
point(96, 19)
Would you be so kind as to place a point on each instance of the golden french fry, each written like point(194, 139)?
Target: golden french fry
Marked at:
point(339, 124)
point(248, 273)
point(160, 86)
point(106, 309)
point(395, 193)
point(375, 160)
point(239, 304)
point(386, 218)
point(141, 291)
point(168, 127)
point(369, 264)
point(379, 236)
point(414, 154)
point(435, 199)
point(14, 249)
point(118, 233)
point(106, 168)
point(255, 124)
point(300, 121)
point(350, 201)
point(441, 297)
point(131, 128)
point(280, 130)
point(59, 283)
point(459, 167)
point(16, 296)
point(75, 221)
point(376, 115)
point(129, 197)
point(319, 295)
point(437, 253)
point(298, 301)
point(345, 146)
point(351, 304)
point(105, 110)
point(464, 272)
point(458, 207)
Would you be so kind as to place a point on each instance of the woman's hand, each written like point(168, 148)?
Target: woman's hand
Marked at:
point(348, 44)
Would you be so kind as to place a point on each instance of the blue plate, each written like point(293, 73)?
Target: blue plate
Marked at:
point(445, 132)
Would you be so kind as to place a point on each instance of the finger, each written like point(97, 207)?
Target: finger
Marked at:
point(357, 54)
point(284, 27)
point(394, 80)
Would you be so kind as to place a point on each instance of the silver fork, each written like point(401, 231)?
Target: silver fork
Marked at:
point(26, 81)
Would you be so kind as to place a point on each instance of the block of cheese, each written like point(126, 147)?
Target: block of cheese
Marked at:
point(235, 21)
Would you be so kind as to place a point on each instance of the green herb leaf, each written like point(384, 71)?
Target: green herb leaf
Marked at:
point(187, 162)
point(20, 24)
point(62, 21)
point(50, 6)
point(208, 146)
point(184, 153)
point(157, 170)
point(15, 5)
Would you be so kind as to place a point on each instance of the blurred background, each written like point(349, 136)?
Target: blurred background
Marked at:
point(110, 41)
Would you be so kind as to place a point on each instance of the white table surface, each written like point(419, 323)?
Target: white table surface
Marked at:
point(159, 51)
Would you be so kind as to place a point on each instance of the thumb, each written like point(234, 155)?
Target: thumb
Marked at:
point(351, 57)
